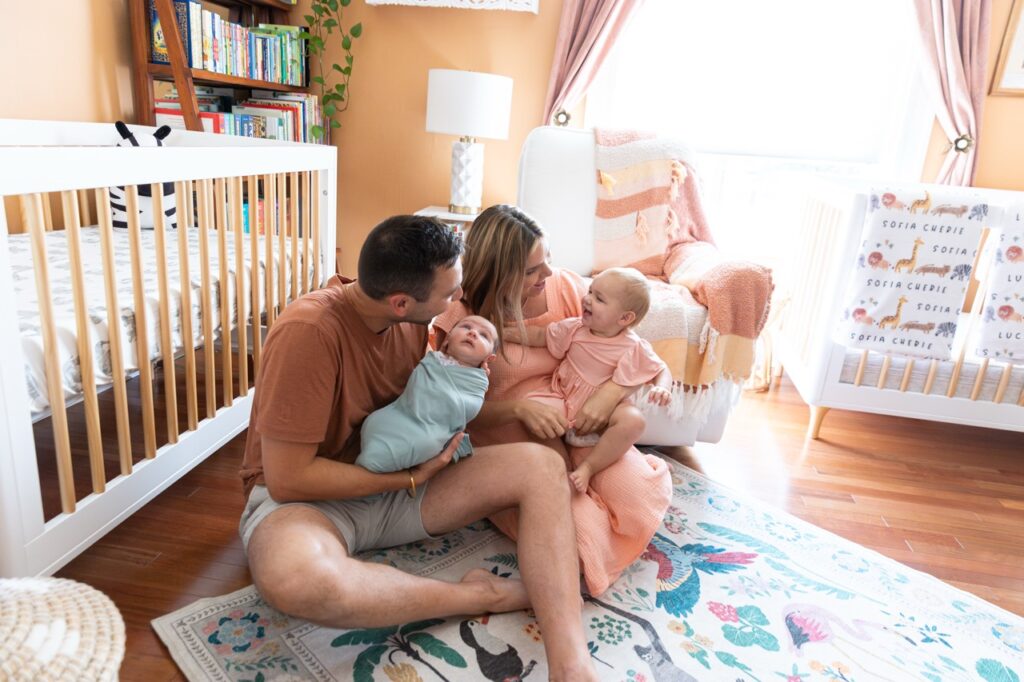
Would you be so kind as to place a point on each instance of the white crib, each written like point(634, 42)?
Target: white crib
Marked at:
point(114, 318)
point(827, 374)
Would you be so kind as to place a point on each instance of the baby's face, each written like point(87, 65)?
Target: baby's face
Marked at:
point(472, 340)
point(602, 304)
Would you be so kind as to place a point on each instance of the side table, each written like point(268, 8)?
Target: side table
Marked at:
point(459, 222)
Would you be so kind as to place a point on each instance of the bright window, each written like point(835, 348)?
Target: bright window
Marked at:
point(765, 90)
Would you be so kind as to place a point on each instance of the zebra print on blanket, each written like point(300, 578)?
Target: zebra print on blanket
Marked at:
point(118, 194)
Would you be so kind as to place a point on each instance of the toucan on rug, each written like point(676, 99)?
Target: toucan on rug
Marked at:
point(729, 589)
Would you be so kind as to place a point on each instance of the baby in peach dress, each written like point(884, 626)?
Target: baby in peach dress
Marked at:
point(594, 348)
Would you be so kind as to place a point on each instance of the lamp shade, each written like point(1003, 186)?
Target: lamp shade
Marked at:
point(468, 103)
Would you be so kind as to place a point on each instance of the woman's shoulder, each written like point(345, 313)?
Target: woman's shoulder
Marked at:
point(451, 317)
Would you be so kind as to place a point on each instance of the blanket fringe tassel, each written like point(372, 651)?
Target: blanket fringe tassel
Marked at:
point(692, 402)
point(641, 230)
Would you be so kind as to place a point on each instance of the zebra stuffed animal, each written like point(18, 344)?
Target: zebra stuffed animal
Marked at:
point(118, 199)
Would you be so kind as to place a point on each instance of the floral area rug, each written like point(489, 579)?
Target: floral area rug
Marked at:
point(728, 589)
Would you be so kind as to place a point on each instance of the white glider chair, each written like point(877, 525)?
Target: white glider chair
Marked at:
point(557, 187)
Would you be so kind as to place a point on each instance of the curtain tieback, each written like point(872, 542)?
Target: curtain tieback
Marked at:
point(962, 144)
point(562, 118)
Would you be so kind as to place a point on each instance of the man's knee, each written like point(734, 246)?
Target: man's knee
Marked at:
point(543, 467)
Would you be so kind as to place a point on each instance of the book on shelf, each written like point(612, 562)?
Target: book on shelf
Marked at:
point(267, 52)
point(288, 117)
point(157, 41)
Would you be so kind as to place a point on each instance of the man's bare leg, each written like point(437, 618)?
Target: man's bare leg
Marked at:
point(532, 478)
point(301, 566)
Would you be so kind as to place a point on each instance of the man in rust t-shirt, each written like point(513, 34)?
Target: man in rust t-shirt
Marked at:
point(334, 356)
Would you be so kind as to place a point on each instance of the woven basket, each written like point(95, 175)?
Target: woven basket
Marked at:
point(56, 629)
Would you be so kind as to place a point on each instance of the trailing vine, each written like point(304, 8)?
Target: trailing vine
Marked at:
point(326, 21)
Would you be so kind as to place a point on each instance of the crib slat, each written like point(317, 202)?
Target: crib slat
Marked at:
point(315, 211)
point(141, 333)
point(282, 220)
point(930, 379)
point(255, 224)
point(166, 340)
point(54, 384)
point(295, 234)
point(979, 380)
point(183, 190)
point(270, 214)
point(906, 374)
point(1004, 381)
point(47, 212)
point(205, 297)
point(860, 368)
point(124, 437)
point(94, 439)
point(884, 373)
point(304, 277)
point(227, 376)
point(84, 208)
point(241, 319)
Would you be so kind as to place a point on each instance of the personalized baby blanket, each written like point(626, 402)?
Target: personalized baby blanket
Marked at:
point(917, 251)
point(438, 401)
point(1001, 334)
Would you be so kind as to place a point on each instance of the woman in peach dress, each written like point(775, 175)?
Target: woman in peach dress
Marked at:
point(507, 278)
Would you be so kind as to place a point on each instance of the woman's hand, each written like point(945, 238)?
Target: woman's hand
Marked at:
point(596, 412)
point(424, 472)
point(542, 421)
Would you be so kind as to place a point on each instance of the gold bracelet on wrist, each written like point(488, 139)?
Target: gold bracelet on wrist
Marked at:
point(412, 485)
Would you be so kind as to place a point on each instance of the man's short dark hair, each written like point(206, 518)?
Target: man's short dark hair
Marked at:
point(402, 254)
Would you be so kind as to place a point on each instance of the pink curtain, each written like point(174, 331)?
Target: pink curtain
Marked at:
point(955, 36)
point(586, 34)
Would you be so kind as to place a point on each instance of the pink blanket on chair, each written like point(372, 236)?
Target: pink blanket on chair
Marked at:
point(649, 216)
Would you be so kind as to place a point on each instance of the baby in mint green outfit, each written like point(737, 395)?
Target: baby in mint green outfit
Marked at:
point(444, 393)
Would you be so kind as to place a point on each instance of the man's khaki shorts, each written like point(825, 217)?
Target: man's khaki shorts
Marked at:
point(373, 522)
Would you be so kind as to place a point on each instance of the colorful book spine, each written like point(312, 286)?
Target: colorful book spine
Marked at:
point(158, 43)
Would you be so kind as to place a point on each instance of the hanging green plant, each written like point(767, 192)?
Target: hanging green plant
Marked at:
point(324, 22)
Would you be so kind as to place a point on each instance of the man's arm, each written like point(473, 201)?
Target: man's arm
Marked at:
point(294, 473)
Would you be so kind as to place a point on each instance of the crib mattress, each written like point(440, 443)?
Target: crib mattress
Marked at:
point(919, 374)
point(63, 301)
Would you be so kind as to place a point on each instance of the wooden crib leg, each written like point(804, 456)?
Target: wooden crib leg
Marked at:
point(817, 416)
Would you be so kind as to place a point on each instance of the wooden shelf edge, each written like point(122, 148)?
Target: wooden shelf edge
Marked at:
point(272, 4)
point(164, 72)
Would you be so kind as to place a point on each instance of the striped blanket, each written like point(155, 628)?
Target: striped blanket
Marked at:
point(649, 216)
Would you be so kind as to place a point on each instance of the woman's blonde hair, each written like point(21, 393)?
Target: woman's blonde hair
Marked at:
point(498, 246)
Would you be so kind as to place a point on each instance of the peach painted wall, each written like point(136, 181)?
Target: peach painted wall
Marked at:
point(1001, 145)
point(387, 162)
point(70, 65)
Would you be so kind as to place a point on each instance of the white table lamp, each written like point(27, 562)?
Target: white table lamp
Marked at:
point(470, 105)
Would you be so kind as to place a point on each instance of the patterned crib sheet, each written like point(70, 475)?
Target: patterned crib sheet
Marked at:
point(64, 311)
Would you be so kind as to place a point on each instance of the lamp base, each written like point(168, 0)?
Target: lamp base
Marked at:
point(467, 176)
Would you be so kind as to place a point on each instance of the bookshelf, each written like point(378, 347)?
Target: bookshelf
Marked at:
point(247, 12)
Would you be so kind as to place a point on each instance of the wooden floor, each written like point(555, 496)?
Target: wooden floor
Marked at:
point(947, 500)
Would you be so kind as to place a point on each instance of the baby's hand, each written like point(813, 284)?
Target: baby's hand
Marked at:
point(659, 396)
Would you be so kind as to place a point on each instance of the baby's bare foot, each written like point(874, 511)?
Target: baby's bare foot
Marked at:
point(504, 594)
point(580, 478)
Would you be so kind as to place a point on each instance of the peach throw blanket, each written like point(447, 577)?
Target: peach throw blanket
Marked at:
point(649, 216)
